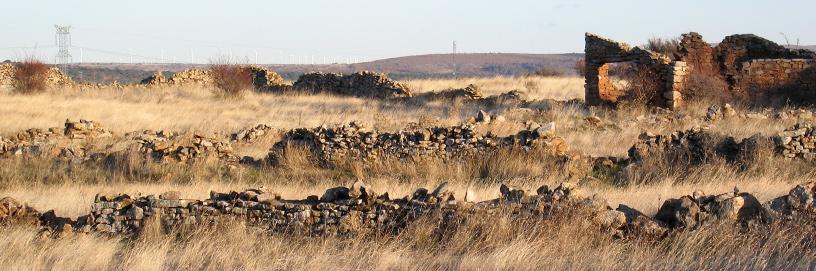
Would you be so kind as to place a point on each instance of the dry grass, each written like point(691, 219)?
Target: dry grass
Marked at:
point(493, 243)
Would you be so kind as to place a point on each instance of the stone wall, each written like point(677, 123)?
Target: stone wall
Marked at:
point(698, 54)
point(765, 76)
point(360, 84)
point(330, 145)
point(600, 51)
point(751, 66)
point(360, 208)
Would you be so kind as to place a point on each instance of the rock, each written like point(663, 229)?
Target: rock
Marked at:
point(611, 219)
point(170, 195)
point(714, 113)
point(483, 116)
point(728, 111)
point(440, 190)
point(135, 213)
point(800, 198)
point(512, 194)
point(267, 198)
point(679, 213)
point(336, 193)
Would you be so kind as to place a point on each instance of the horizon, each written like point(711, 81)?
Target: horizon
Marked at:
point(184, 32)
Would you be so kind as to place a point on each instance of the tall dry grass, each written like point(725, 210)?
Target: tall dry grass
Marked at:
point(497, 242)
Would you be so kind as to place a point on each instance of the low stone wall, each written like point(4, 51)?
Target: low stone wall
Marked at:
point(360, 84)
point(699, 145)
point(330, 145)
point(360, 207)
point(797, 142)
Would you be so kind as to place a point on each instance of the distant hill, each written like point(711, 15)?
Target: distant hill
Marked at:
point(420, 66)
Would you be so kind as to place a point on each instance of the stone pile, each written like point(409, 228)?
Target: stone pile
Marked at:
point(85, 129)
point(265, 79)
point(798, 141)
point(164, 146)
point(55, 78)
point(251, 134)
point(693, 211)
point(192, 76)
point(798, 200)
point(359, 207)
point(12, 211)
point(53, 142)
point(360, 84)
point(355, 140)
point(6, 76)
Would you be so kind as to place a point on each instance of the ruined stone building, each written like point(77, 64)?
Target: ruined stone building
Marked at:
point(750, 65)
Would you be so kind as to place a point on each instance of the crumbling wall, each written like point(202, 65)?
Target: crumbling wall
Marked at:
point(698, 54)
point(55, 78)
point(360, 208)
point(752, 66)
point(760, 77)
point(600, 51)
point(330, 145)
point(359, 84)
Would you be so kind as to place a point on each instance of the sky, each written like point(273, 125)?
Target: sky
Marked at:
point(329, 31)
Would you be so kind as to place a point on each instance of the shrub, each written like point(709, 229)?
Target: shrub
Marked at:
point(231, 79)
point(707, 88)
point(30, 76)
point(669, 47)
point(643, 85)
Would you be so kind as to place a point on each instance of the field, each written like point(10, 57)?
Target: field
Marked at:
point(563, 241)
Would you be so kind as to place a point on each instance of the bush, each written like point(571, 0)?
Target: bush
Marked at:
point(643, 85)
point(30, 76)
point(669, 47)
point(231, 79)
point(707, 88)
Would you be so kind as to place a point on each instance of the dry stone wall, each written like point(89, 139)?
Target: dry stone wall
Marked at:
point(759, 76)
point(360, 84)
point(359, 207)
point(600, 51)
point(749, 64)
point(354, 140)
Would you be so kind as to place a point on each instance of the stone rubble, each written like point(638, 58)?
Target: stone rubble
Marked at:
point(359, 207)
point(360, 84)
point(252, 133)
point(356, 140)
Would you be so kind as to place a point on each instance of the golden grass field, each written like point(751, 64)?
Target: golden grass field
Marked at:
point(495, 243)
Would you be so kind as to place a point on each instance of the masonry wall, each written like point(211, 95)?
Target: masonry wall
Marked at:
point(762, 76)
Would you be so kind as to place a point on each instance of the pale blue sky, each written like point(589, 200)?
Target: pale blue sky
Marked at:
point(334, 30)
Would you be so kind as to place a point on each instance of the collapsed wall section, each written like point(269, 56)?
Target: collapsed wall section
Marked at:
point(599, 89)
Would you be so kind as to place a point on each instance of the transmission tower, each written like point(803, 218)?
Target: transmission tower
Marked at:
point(63, 39)
point(453, 58)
